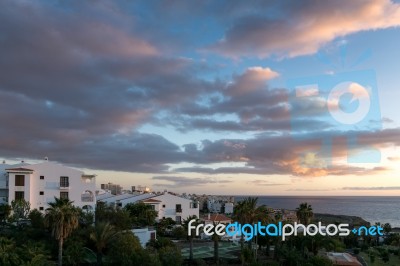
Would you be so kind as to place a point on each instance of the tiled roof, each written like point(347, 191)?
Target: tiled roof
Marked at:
point(151, 200)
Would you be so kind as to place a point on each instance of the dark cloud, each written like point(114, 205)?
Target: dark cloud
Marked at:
point(290, 28)
point(77, 79)
point(282, 154)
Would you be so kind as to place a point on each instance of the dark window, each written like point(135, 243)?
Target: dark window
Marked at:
point(19, 195)
point(64, 181)
point(63, 195)
point(163, 206)
point(178, 208)
point(40, 208)
point(42, 177)
point(152, 235)
point(41, 193)
point(178, 219)
point(19, 180)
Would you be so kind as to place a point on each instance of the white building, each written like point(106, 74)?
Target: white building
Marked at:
point(174, 207)
point(228, 207)
point(144, 235)
point(40, 183)
point(166, 205)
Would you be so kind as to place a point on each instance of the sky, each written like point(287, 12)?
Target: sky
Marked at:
point(214, 97)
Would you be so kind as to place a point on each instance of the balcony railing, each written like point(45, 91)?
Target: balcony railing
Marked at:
point(87, 198)
point(178, 210)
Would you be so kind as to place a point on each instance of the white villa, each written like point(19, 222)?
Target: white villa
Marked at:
point(40, 183)
point(167, 205)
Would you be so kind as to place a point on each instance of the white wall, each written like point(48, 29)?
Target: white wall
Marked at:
point(167, 207)
point(228, 207)
point(144, 235)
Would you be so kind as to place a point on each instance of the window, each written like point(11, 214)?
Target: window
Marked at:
point(41, 208)
point(19, 180)
point(42, 177)
point(64, 181)
point(63, 195)
point(153, 207)
point(41, 193)
point(163, 206)
point(178, 208)
point(178, 219)
point(19, 195)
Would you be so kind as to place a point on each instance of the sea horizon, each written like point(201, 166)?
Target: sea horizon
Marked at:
point(383, 209)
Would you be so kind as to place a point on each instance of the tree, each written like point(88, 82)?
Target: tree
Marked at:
point(170, 256)
point(126, 250)
point(5, 211)
point(192, 233)
point(118, 218)
point(101, 235)
point(20, 209)
point(8, 252)
point(215, 239)
point(74, 253)
point(62, 219)
point(247, 211)
point(304, 213)
point(163, 225)
point(387, 228)
point(37, 219)
point(141, 214)
point(35, 253)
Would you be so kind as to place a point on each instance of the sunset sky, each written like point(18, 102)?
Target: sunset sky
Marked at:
point(195, 96)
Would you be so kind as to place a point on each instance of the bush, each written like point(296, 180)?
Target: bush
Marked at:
point(356, 251)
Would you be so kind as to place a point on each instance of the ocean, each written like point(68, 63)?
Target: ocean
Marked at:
point(371, 209)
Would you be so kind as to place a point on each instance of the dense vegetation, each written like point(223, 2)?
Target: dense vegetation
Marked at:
point(66, 235)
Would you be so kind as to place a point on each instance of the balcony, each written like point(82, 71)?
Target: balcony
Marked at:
point(178, 210)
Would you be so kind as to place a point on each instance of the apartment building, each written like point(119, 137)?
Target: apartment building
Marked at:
point(41, 183)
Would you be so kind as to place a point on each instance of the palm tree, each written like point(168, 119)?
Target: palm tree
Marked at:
point(191, 236)
point(246, 211)
point(62, 218)
point(101, 235)
point(304, 213)
point(215, 238)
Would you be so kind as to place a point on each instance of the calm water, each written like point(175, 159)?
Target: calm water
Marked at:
point(372, 209)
